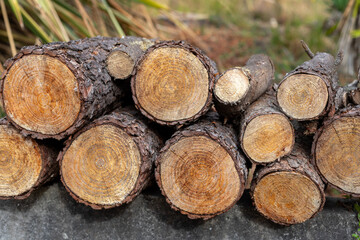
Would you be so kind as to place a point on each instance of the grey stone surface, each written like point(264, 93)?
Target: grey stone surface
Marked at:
point(50, 213)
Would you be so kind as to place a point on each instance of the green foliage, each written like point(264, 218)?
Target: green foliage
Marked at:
point(340, 4)
point(357, 209)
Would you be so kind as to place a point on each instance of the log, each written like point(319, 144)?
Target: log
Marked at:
point(25, 164)
point(238, 87)
point(348, 95)
point(266, 134)
point(122, 59)
point(336, 150)
point(200, 170)
point(308, 92)
point(172, 83)
point(108, 162)
point(50, 91)
point(290, 191)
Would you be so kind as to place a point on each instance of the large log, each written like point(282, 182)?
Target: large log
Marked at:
point(238, 87)
point(109, 162)
point(25, 164)
point(289, 191)
point(308, 92)
point(200, 170)
point(50, 91)
point(336, 149)
point(266, 134)
point(173, 83)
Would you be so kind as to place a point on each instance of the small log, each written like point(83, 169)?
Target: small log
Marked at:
point(122, 59)
point(308, 92)
point(348, 95)
point(51, 91)
point(108, 162)
point(25, 164)
point(173, 82)
point(336, 150)
point(266, 134)
point(238, 87)
point(289, 191)
point(200, 170)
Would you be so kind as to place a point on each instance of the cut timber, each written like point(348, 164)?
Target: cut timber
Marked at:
point(308, 92)
point(289, 191)
point(109, 162)
point(200, 170)
point(266, 133)
point(238, 87)
point(25, 163)
point(121, 61)
point(50, 91)
point(336, 149)
point(348, 95)
point(173, 83)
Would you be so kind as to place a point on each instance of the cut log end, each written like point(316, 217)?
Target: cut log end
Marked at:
point(287, 197)
point(171, 84)
point(20, 163)
point(101, 166)
point(337, 154)
point(303, 96)
point(268, 137)
point(199, 177)
point(41, 94)
point(232, 86)
point(120, 65)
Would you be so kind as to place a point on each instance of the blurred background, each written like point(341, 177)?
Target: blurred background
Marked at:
point(229, 31)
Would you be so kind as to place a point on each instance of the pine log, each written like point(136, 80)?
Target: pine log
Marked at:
point(200, 170)
point(50, 91)
point(266, 134)
point(25, 164)
point(108, 162)
point(308, 92)
point(238, 87)
point(173, 82)
point(336, 149)
point(348, 95)
point(289, 191)
point(122, 59)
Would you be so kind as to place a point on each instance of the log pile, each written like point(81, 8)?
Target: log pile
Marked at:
point(69, 111)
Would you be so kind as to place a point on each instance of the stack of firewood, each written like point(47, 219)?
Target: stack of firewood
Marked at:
point(70, 110)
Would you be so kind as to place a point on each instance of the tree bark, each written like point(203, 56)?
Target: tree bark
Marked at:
point(238, 87)
point(200, 170)
point(50, 91)
point(25, 163)
point(266, 134)
point(290, 191)
point(109, 162)
point(172, 83)
point(335, 151)
point(308, 92)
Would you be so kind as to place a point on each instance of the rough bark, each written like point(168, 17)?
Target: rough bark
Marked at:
point(348, 95)
point(289, 191)
point(266, 134)
point(122, 59)
point(118, 147)
point(234, 92)
point(308, 92)
point(335, 151)
point(172, 83)
point(90, 91)
point(26, 163)
point(200, 170)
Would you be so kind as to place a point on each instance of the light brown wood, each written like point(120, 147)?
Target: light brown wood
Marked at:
point(232, 86)
point(20, 163)
point(120, 65)
point(102, 165)
point(41, 94)
point(171, 84)
point(199, 176)
point(337, 154)
point(287, 197)
point(303, 96)
point(268, 137)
